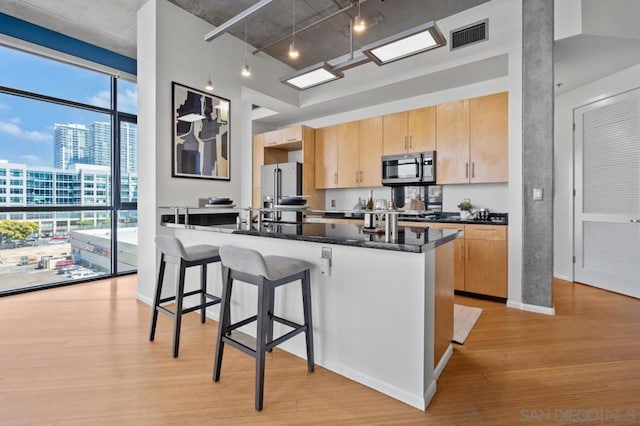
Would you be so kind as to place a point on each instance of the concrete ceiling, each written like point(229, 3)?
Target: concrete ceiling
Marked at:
point(329, 39)
point(609, 42)
point(112, 24)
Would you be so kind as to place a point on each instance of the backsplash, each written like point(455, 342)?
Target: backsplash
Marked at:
point(492, 196)
point(347, 198)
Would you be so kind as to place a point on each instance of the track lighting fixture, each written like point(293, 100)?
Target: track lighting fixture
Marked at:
point(246, 71)
point(293, 52)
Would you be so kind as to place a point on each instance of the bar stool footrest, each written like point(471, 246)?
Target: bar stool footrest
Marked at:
point(285, 337)
point(198, 307)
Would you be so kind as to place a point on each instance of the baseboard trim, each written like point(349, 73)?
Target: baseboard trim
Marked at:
point(531, 308)
point(144, 299)
point(392, 391)
point(562, 277)
point(442, 363)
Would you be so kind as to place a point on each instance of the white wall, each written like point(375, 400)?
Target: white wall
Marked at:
point(563, 203)
point(171, 47)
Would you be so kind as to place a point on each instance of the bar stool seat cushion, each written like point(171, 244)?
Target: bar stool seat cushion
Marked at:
point(253, 263)
point(201, 251)
point(280, 266)
point(172, 247)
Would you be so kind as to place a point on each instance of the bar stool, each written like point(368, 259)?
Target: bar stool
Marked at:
point(266, 273)
point(171, 249)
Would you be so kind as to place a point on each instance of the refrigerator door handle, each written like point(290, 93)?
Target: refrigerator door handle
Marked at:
point(278, 190)
point(275, 186)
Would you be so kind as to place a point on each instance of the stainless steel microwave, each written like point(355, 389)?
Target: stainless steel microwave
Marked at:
point(417, 168)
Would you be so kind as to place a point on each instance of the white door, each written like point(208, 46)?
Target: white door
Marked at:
point(607, 198)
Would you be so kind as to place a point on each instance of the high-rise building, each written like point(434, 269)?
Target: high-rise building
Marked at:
point(72, 144)
point(100, 143)
point(128, 148)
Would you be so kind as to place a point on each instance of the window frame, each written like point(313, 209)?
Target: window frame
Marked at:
point(115, 196)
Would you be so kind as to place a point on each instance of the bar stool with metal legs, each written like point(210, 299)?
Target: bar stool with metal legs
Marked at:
point(266, 273)
point(199, 255)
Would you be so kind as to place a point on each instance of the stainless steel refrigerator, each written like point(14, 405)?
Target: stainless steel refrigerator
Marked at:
point(277, 181)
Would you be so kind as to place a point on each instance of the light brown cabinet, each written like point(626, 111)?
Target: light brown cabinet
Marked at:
point(458, 257)
point(327, 157)
point(349, 149)
point(486, 260)
point(409, 131)
point(489, 138)
point(359, 144)
point(480, 258)
point(258, 160)
point(472, 140)
point(370, 145)
point(289, 135)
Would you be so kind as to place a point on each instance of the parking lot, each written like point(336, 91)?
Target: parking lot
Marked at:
point(13, 276)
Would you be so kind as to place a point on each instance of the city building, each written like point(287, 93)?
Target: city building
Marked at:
point(72, 144)
point(80, 185)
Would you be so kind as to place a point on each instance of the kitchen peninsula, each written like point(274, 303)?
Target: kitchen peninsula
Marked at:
point(382, 311)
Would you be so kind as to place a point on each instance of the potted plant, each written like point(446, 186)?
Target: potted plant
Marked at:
point(465, 208)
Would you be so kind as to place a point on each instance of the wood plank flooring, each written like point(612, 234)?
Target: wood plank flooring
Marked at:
point(79, 355)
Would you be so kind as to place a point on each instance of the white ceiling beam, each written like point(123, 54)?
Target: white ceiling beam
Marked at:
point(218, 31)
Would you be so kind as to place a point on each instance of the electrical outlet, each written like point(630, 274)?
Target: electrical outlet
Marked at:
point(326, 253)
point(537, 194)
point(333, 203)
point(325, 262)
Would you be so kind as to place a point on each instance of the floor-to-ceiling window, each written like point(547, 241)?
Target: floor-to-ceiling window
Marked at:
point(68, 176)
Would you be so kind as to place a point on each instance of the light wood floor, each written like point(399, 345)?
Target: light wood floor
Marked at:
point(79, 355)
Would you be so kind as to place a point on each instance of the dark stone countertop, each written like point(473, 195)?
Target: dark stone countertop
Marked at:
point(410, 239)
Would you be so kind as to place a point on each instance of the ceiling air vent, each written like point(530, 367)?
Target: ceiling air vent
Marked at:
point(473, 33)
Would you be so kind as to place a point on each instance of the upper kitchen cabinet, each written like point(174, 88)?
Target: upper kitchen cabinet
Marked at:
point(349, 149)
point(409, 131)
point(452, 132)
point(488, 133)
point(258, 161)
point(370, 145)
point(290, 136)
point(360, 146)
point(327, 157)
point(472, 140)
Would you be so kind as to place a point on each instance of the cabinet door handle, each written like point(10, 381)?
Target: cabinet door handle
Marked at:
point(473, 169)
point(335, 178)
point(466, 170)
point(635, 220)
point(410, 141)
point(406, 143)
point(360, 172)
point(462, 252)
point(466, 247)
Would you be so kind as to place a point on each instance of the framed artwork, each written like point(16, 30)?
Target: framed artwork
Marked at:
point(200, 144)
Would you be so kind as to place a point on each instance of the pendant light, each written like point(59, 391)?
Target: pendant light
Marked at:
point(293, 52)
point(358, 23)
point(209, 84)
point(246, 71)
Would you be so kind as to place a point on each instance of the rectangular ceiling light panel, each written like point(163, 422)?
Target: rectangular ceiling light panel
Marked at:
point(312, 76)
point(407, 43)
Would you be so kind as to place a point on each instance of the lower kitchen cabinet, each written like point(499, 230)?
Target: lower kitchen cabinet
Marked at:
point(480, 258)
point(486, 260)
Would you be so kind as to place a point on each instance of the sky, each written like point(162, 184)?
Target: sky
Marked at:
point(27, 126)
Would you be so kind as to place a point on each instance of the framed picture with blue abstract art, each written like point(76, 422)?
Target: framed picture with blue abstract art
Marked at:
point(201, 143)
